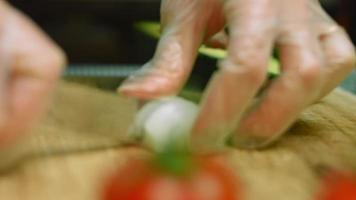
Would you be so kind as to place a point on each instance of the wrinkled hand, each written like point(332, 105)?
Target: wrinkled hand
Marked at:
point(30, 65)
point(315, 54)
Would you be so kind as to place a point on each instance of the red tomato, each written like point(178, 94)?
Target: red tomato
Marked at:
point(209, 179)
point(338, 186)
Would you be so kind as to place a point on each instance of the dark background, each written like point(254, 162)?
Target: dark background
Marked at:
point(101, 31)
point(95, 31)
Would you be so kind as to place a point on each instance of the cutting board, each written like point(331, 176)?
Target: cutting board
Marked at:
point(82, 140)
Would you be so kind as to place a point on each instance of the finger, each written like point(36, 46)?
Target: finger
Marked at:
point(219, 40)
point(177, 49)
point(167, 72)
point(36, 67)
point(297, 87)
point(240, 75)
point(340, 57)
point(5, 62)
point(337, 48)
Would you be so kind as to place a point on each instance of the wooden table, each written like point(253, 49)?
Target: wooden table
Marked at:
point(81, 141)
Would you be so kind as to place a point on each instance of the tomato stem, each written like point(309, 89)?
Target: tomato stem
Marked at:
point(174, 162)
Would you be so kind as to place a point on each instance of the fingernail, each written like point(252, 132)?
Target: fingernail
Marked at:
point(131, 86)
point(245, 141)
point(206, 147)
point(126, 87)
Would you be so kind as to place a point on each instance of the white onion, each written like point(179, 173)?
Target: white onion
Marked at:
point(165, 123)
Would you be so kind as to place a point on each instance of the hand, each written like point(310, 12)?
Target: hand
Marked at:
point(315, 55)
point(30, 65)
